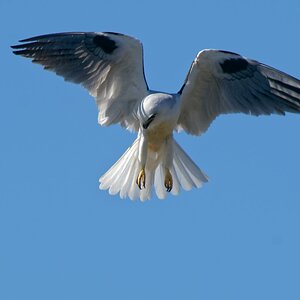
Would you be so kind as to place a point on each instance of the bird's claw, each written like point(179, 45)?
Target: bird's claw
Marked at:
point(141, 179)
point(168, 181)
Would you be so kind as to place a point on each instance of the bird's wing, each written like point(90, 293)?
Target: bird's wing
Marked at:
point(221, 82)
point(109, 65)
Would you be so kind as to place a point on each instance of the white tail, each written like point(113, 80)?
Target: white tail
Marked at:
point(121, 177)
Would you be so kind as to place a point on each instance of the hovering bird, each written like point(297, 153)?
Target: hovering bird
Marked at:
point(110, 66)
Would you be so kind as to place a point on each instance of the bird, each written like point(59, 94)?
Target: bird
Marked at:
point(110, 66)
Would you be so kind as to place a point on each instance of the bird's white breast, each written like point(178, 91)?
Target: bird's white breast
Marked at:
point(158, 134)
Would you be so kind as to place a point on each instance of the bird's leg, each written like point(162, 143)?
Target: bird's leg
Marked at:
point(168, 180)
point(141, 179)
point(142, 157)
point(168, 161)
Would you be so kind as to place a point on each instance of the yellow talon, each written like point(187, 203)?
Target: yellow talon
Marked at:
point(168, 181)
point(141, 179)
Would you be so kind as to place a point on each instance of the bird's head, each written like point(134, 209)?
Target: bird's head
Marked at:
point(156, 109)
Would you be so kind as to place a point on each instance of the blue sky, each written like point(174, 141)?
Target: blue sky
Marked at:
point(62, 238)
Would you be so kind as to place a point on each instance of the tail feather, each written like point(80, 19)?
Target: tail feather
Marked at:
point(115, 177)
point(159, 183)
point(189, 173)
point(183, 176)
point(121, 177)
point(125, 188)
point(176, 183)
point(146, 193)
point(132, 191)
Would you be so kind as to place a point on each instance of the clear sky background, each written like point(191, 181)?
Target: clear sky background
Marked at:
point(62, 238)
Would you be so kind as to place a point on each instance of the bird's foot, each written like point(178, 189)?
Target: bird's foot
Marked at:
point(168, 181)
point(141, 179)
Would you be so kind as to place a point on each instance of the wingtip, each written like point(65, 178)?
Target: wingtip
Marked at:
point(16, 46)
point(16, 49)
point(20, 52)
point(19, 46)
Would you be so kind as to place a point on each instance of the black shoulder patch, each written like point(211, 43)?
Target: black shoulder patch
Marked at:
point(234, 65)
point(105, 43)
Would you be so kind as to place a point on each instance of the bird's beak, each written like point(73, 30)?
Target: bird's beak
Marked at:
point(148, 122)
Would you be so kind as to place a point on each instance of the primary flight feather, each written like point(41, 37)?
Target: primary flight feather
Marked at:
point(110, 66)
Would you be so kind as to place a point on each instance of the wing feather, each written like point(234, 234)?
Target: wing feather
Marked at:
point(221, 82)
point(108, 65)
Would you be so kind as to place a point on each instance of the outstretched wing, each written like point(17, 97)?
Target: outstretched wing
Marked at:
point(109, 65)
point(221, 82)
